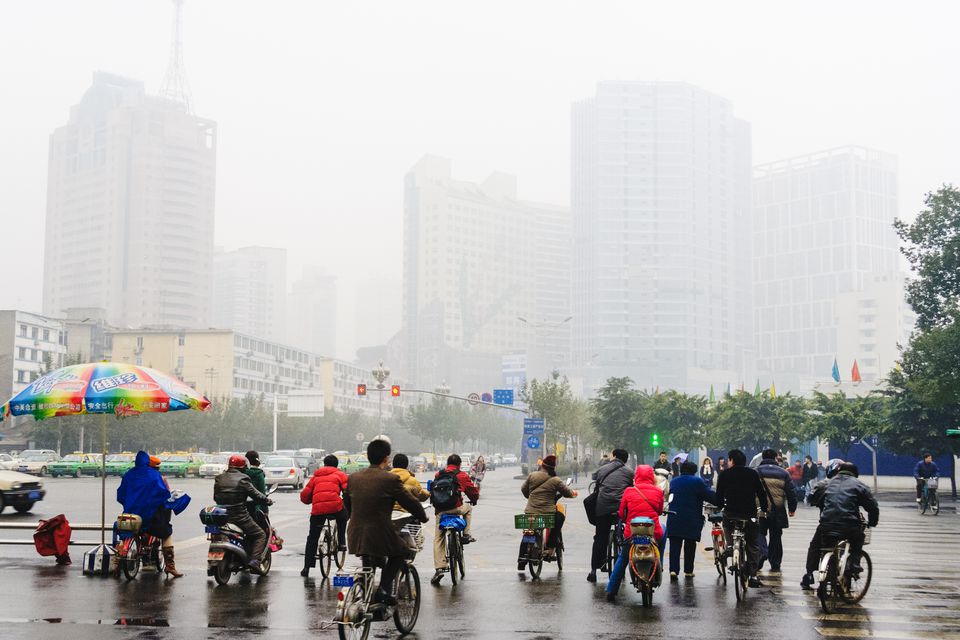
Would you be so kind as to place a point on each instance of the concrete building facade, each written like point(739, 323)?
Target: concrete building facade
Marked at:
point(660, 178)
point(130, 209)
point(826, 266)
point(250, 291)
point(30, 343)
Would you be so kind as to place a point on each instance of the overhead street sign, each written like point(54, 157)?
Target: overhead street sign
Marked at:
point(533, 442)
point(503, 396)
point(533, 426)
point(473, 398)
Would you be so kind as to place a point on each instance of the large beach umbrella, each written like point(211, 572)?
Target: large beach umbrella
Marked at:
point(105, 388)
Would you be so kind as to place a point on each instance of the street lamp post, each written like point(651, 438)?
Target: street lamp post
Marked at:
point(380, 374)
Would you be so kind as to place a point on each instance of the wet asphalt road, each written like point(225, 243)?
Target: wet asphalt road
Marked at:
point(914, 594)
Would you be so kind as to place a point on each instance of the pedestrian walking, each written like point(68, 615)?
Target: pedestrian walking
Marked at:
point(685, 522)
point(809, 476)
point(782, 504)
point(576, 470)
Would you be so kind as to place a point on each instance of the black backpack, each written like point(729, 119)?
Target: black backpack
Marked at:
point(445, 491)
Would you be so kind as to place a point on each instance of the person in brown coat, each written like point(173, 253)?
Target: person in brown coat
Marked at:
point(371, 535)
point(542, 489)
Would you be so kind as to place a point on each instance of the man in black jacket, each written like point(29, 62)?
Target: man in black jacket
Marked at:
point(231, 490)
point(779, 490)
point(612, 480)
point(840, 503)
point(740, 492)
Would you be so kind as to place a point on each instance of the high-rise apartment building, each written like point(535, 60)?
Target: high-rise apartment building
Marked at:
point(826, 268)
point(377, 311)
point(250, 291)
point(485, 274)
point(312, 312)
point(661, 207)
point(130, 202)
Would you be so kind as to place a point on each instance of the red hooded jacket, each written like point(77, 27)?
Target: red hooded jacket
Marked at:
point(644, 499)
point(323, 491)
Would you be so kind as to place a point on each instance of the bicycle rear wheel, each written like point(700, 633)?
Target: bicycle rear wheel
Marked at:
point(408, 599)
point(130, 558)
point(935, 503)
point(535, 555)
point(611, 550)
point(325, 552)
point(452, 561)
point(353, 604)
point(856, 584)
point(460, 557)
point(340, 557)
point(740, 573)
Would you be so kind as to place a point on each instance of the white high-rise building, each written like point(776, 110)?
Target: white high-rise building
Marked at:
point(485, 274)
point(250, 291)
point(312, 312)
point(826, 268)
point(130, 203)
point(661, 206)
point(377, 311)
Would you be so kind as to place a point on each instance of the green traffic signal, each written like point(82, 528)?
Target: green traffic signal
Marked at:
point(655, 440)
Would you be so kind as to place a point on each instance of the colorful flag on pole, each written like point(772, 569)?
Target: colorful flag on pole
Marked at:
point(773, 389)
point(712, 398)
point(836, 371)
point(855, 374)
point(757, 391)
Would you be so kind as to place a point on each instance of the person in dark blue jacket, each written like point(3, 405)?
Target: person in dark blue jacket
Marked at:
point(926, 468)
point(144, 492)
point(684, 525)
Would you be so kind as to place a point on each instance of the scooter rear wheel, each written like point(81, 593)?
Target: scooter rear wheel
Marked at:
point(266, 563)
point(130, 562)
point(535, 555)
point(221, 572)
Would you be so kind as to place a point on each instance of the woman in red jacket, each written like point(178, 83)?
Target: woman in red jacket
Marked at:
point(643, 499)
point(324, 493)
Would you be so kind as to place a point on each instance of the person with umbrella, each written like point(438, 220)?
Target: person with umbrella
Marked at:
point(144, 492)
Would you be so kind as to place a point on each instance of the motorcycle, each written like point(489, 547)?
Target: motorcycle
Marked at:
point(536, 532)
point(646, 564)
point(229, 552)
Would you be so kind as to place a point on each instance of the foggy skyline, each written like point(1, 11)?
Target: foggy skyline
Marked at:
point(317, 125)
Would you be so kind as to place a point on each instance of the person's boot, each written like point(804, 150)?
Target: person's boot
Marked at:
point(169, 565)
point(806, 583)
point(305, 572)
point(437, 577)
point(592, 576)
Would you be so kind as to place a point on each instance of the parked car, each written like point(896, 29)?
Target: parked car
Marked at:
point(119, 463)
point(8, 462)
point(181, 465)
point(282, 470)
point(509, 459)
point(20, 491)
point(76, 465)
point(214, 466)
point(37, 463)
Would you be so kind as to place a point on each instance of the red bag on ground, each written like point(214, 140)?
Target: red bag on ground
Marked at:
point(52, 538)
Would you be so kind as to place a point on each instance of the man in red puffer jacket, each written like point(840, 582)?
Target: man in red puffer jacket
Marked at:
point(324, 493)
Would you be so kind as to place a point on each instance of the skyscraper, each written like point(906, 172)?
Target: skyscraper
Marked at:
point(826, 269)
point(250, 291)
point(660, 196)
point(485, 274)
point(312, 312)
point(130, 203)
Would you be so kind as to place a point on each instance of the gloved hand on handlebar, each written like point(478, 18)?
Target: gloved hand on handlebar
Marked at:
point(269, 502)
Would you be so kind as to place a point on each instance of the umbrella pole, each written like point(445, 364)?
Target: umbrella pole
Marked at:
point(103, 479)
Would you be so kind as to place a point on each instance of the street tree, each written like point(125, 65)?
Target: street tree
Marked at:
point(614, 415)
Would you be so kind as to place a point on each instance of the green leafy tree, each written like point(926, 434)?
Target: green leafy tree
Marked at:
point(756, 421)
point(676, 417)
point(614, 415)
point(838, 419)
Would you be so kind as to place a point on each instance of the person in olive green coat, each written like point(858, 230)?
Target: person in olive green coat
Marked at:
point(259, 480)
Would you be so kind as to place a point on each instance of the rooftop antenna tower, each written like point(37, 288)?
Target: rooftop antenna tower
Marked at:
point(174, 85)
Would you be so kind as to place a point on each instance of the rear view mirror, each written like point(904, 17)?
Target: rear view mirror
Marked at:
point(569, 481)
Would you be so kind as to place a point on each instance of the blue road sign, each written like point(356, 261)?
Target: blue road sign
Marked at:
point(872, 441)
point(533, 442)
point(533, 426)
point(503, 396)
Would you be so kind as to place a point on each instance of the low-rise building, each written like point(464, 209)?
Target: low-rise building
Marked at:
point(30, 344)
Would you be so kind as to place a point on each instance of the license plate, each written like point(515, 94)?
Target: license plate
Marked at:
point(343, 581)
point(529, 539)
point(216, 556)
point(642, 540)
point(211, 529)
point(33, 495)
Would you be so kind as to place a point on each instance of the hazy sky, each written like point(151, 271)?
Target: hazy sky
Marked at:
point(323, 106)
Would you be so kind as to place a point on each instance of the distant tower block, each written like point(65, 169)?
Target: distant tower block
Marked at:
point(174, 85)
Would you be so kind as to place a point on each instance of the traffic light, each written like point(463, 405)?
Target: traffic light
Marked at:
point(655, 440)
point(361, 389)
point(395, 391)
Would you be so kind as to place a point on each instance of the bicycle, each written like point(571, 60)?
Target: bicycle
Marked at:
point(719, 547)
point(614, 546)
point(451, 528)
point(929, 498)
point(328, 551)
point(135, 548)
point(839, 579)
point(739, 562)
point(536, 530)
point(356, 610)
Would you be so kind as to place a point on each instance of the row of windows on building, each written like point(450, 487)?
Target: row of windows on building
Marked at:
point(275, 350)
point(259, 385)
point(39, 333)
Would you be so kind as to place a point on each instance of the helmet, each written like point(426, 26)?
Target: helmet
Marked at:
point(237, 462)
point(833, 467)
point(155, 462)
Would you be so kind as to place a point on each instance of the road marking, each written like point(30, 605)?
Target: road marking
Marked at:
point(885, 635)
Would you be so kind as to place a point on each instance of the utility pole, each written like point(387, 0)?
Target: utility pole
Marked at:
point(380, 374)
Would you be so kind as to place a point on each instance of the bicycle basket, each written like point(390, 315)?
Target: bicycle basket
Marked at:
point(534, 521)
point(416, 535)
point(452, 521)
point(129, 522)
point(932, 483)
